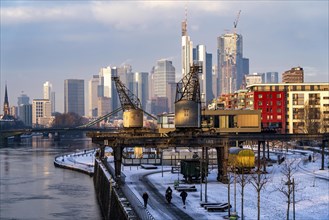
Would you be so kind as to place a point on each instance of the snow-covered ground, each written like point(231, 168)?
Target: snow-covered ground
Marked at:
point(312, 189)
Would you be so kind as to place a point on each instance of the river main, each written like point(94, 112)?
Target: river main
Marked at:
point(31, 187)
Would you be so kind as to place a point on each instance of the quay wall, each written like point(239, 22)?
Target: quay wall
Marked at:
point(112, 202)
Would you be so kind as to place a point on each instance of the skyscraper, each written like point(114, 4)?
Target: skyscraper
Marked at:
point(187, 48)
point(164, 73)
point(93, 96)
point(49, 94)
point(74, 98)
point(204, 59)
point(271, 77)
point(230, 62)
point(23, 100)
point(163, 77)
point(142, 90)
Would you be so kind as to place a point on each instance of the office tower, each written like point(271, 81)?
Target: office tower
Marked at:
point(295, 75)
point(142, 85)
point(48, 93)
point(187, 48)
point(103, 106)
point(74, 97)
point(41, 113)
point(23, 100)
point(270, 77)
point(106, 82)
point(204, 59)
point(93, 96)
point(164, 73)
point(171, 89)
point(25, 114)
point(47, 87)
point(215, 87)
point(231, 64)
point(107, 86)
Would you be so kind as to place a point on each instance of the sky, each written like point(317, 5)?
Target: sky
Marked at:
point(52, 41)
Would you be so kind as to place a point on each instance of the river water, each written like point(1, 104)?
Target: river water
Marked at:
point(31, 187)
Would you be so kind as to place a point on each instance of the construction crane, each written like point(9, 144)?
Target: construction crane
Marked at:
point(130, 105)
point(235, 23)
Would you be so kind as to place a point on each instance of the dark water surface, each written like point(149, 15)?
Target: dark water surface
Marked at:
point(32, 188)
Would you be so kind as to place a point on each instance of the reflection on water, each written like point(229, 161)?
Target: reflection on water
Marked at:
point(31, 187)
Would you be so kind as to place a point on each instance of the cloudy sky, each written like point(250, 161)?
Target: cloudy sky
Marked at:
point(57, 40)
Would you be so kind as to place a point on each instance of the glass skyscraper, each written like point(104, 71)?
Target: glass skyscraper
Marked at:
point(74, 98)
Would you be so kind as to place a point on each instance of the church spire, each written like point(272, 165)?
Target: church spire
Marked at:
point(6, 110)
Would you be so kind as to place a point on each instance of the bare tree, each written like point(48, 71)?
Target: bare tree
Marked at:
point(312, 116)
point(258, 180)
point(289, 168)
point(243, 179)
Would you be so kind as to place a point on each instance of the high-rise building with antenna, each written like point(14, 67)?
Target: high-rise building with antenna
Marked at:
point(187, 48)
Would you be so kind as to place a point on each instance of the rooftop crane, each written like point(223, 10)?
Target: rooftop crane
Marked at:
point(235, 23)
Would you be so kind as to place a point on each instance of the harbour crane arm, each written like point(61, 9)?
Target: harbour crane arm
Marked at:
point(127, 99)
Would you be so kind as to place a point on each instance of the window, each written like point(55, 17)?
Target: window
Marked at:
point(260, 96)
point(186, 112)
point(278, 117)
point(260, 103)
point(278, 96)
point(278, 103)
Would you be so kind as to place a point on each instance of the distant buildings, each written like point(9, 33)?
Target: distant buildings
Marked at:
point(201, 57)
point(74, 98)
point(258, 78)
point(48, 93)
point(294, 75)
point(93, 96)
point(163, 77)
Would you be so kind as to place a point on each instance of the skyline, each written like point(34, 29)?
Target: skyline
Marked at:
point(73, 40)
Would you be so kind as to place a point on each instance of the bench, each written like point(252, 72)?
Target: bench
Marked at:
point(221, 208)
point(205, 204)
point(186, 188)
point(148, 166)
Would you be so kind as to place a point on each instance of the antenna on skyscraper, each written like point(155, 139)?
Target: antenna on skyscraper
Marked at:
point(184, 23)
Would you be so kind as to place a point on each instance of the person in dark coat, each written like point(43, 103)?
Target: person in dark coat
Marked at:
point(168, 194)
point(183, 194)
point(145, 198)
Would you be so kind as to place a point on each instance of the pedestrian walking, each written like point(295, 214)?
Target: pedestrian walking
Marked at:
point(168, 194)
point(183, 194)
point(145, 198)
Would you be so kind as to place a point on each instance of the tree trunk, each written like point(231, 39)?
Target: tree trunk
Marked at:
point(242, 195)
point(258, 205)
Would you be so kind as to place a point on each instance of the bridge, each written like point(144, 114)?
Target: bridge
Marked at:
point(16, 133)
point(196, 138)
